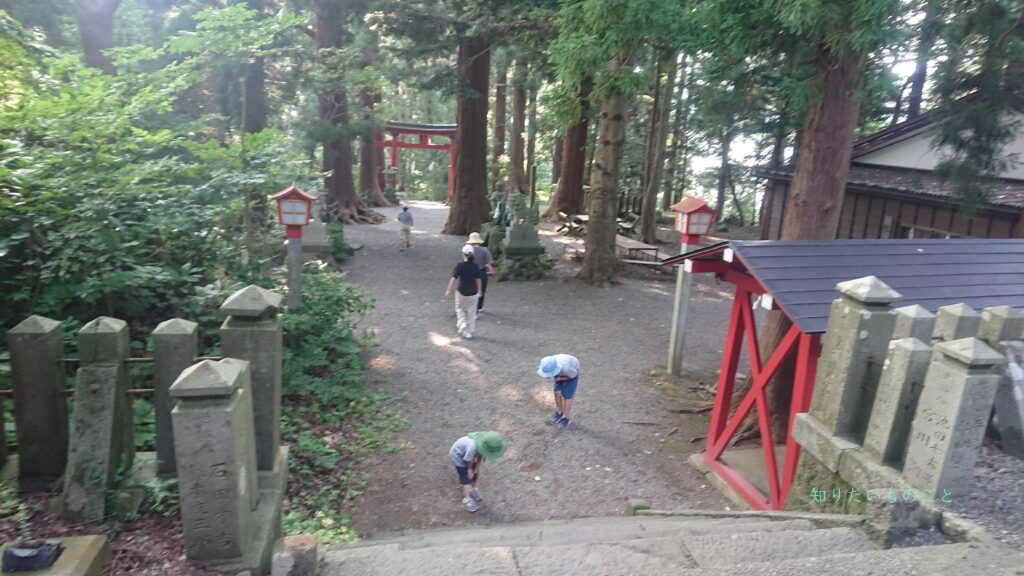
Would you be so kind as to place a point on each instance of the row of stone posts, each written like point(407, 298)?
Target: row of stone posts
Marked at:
point(903, 396)
point(217, 423)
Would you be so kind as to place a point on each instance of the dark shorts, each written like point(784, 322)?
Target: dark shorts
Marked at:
point(464, 478)
point(567, 387)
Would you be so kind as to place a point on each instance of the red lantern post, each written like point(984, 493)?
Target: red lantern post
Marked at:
point(693, 219)
point(294, 210)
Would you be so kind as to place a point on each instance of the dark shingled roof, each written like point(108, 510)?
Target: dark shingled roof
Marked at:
point(1005, 191)
point(801, 275)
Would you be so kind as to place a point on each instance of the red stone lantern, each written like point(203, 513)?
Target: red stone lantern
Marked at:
point(294, 209)
point(694, 219)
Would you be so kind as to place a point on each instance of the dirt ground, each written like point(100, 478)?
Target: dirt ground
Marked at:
point(628, 438)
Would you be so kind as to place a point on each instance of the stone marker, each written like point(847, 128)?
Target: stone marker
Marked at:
point(252, 332)
point(102, 439)
point(1010, 402)
point(1002, 328)
point(896, 401)
point(955, 322)
point(951, 417)
point(175, 347)
point(216, 456)
point(40, 410)
point(914, 321)
point(860, 324)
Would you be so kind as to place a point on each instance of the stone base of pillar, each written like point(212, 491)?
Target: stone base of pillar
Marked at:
point(267, 520)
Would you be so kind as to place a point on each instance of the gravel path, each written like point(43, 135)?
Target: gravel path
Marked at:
point(619, 445)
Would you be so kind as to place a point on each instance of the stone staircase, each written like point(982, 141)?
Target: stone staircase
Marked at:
point(677, 546)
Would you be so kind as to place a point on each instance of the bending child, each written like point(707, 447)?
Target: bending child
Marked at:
point(468, 454)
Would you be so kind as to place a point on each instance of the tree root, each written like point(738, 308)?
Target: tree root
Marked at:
point(358, 215)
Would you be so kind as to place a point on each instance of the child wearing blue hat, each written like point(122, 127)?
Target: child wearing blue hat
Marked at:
point(565, 370)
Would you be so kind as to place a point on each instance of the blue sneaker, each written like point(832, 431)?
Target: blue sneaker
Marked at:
point(556, 417)
point(564, 422)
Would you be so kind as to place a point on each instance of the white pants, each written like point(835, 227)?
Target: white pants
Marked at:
point(465, 312)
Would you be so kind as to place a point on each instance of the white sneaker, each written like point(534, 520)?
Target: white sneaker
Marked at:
point(467, 335)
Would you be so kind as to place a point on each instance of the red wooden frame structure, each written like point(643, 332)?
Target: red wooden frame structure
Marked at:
point(724, 426)
point(423, 133)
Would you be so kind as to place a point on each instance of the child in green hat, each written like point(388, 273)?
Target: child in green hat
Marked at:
point(468, 453)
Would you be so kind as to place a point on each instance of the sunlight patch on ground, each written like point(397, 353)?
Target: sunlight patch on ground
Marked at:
point(382, 362)
point(659, 290)
point(439, 340)
point(510, 392)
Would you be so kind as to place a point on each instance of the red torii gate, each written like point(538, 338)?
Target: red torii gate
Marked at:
point(423, 133)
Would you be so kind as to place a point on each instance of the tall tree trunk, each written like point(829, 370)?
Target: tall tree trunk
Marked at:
point(470, 206)
point(341, 198)
point(96, 28)
point(778, 154)
point(725, 142)
point(648, 211)
point(678, 135)
point(599, 261)
point(255, 118)
point(815, 195)
point(517, 147)
point(569, 195)
point(531, 138)
point(500, 98)
point(929, 32)
point(735, 198)
point(379, 160)
point(556, 159)
point(369, 186)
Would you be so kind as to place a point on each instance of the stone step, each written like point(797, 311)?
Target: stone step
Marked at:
point(579, 531)
point(950, 559)
point(726, 550)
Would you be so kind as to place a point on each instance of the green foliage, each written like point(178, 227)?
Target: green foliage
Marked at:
point(980, 86)
point(339, 248)
point(14, 514)
point(144, 424)
point(332, 420)
point(111, 205)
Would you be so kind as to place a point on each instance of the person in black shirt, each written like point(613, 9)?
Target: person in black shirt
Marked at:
point(467, 275)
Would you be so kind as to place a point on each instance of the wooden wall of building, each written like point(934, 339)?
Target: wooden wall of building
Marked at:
point(869, 214)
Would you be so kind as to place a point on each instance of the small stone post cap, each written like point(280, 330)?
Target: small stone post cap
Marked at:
point(970, 351)
point(211, 379)
point(252, 302)
point(1001, 323)
point(35, 325)
point(176, 326)
point(914, 311)
point(960, 309)
point(104, 339)
point(869, 290)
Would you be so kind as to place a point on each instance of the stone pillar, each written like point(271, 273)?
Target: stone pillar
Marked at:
point(951, 417)
point(955, 322)
point(1002, 328)
point(40, 408)
point(216, 456)
point(175, 347)
point(914, 321)
point(252, 332)
point(102, 439)
point(860, 324)
point(898, 392)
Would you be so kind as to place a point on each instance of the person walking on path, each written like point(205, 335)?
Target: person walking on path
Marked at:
point(467, 275)
point(565, 369)
point(484, 261)
point(468, 454)
point(405, 217)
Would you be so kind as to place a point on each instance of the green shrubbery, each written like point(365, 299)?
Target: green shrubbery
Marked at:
point(330, 417)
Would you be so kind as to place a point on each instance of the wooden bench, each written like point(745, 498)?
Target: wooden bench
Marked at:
point(627, 224)
point(634, 249)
